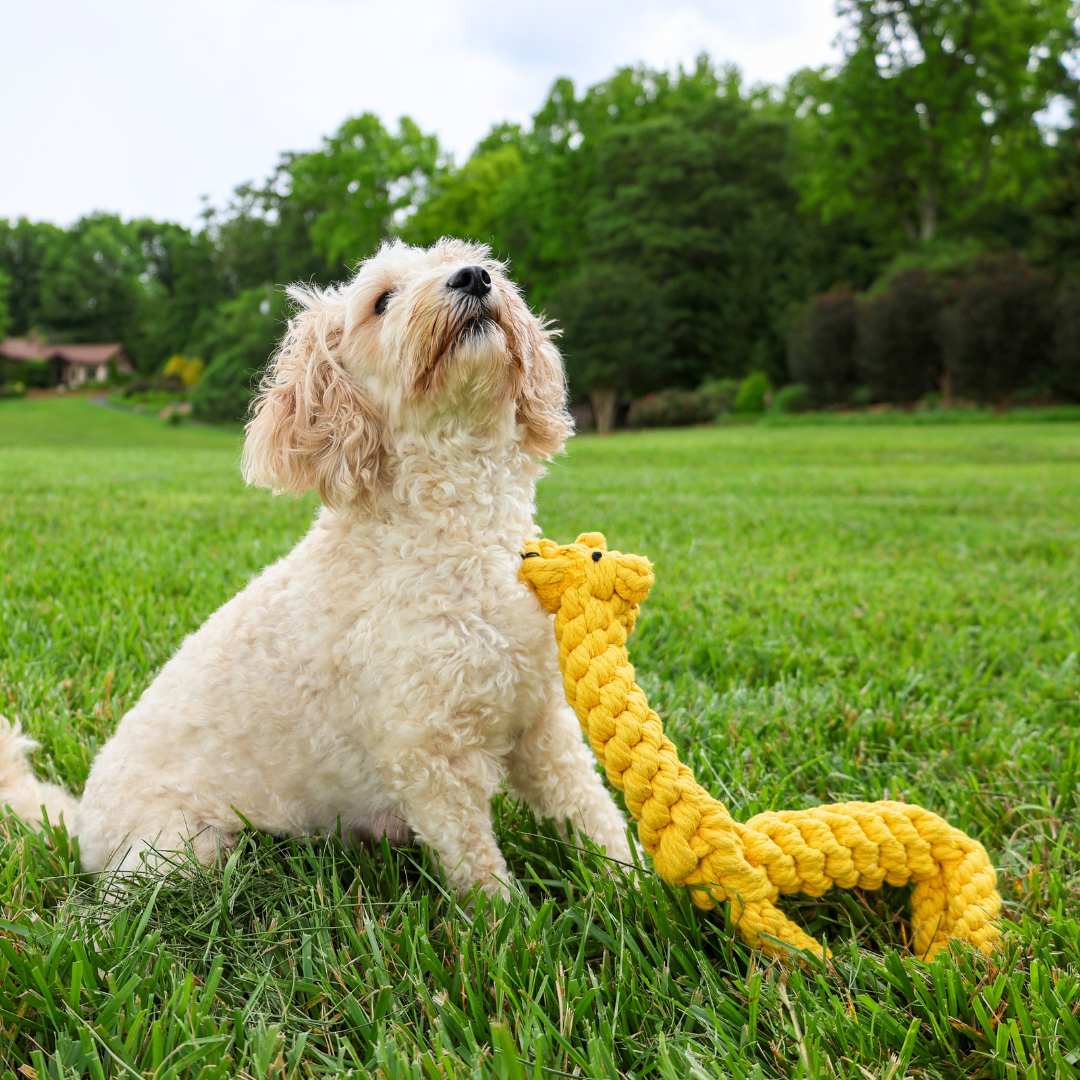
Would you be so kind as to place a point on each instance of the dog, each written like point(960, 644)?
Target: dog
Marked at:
point(391, 672)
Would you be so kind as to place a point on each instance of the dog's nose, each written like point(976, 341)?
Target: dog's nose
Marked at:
point(474, 280)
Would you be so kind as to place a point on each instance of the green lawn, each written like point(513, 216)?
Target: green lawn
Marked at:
point(841, 612)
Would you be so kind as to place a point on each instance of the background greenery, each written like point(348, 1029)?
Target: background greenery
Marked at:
point(679, 224)
point(842, 611)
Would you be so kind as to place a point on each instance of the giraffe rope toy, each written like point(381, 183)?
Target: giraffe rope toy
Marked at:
point(693, 840)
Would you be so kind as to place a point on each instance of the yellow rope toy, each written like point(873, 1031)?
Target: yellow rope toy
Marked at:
point(693, 840)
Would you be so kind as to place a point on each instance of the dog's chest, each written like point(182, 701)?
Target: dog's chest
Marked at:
point(452, 638)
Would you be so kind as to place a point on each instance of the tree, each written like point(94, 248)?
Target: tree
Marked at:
point(1056, 215)
point(236, 340)
point(25, 247)
point(180, 281)
point(5, 310)
point(698, 200)
point(616, 335)
point(90, 287)
point(473, 202)
point(362, 183)
point(674, 179)
point(933, 112)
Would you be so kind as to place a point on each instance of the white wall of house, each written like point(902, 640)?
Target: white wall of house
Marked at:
point(80, 374)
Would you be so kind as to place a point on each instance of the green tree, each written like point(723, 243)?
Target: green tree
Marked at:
point(616, 340)
point(90, 283)
point(699, 200)
point(180, 281)
point(933, 112)
point(25, 247)
point(236, 339)
point(361, 183)
point(677, 181)
point(5, 309)
point(474, 202)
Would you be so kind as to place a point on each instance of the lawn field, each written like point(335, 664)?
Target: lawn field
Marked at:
point(841, 612)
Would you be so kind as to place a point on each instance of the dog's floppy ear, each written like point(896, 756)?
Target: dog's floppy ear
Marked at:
point(311, 426)
point(541, 405)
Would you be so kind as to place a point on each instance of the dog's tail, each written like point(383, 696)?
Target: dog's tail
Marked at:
point(21, 791)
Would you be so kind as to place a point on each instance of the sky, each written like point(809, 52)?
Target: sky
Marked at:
point(140, 108)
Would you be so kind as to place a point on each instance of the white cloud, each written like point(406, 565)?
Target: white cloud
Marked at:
point(140, 108)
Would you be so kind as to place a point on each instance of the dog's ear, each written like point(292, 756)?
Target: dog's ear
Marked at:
point(311, 426)
point(541, 405)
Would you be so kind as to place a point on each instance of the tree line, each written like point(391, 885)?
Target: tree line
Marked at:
point(852, 230)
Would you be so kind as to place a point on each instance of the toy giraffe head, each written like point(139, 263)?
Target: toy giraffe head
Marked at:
point(587, 570)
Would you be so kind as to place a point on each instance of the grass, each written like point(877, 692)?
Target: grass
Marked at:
point(840, 612)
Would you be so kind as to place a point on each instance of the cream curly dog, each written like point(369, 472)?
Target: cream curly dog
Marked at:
point(391, 671)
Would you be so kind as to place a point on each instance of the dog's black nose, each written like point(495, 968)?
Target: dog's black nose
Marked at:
point(475, 280)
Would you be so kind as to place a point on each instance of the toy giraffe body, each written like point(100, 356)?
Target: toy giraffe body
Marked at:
point(692, 838)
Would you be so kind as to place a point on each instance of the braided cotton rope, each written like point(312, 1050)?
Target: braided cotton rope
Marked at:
point(692, 838)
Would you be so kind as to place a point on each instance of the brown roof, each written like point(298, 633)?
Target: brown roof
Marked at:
point(35, 349)
point(87, 354)
point(25, 349)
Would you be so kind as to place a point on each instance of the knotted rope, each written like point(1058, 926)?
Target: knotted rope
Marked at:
point(693, 840)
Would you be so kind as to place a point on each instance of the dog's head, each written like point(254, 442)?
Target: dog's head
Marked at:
point(433, 344)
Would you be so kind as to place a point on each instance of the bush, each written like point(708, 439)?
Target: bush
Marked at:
point(673, 408)
point(792, 398)
point(753, 392)
point(186, 368)
point(996, 333)
point(36, 374)
point(821, 349)
point(721, 393)
point(898, 352)
point(1065, 349)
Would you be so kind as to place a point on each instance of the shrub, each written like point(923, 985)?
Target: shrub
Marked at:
point(1065, 349)
point(790, 399)
point(821, 349)
point(898, 353)
point(753, 392)
point(673, 408)
point(35, 373)
point(721, 392)
point(996, 333)
point(186, 368)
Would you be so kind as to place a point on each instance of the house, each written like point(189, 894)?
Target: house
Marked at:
point(71, 365)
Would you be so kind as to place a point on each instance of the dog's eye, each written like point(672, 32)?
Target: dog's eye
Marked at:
point(383, 301)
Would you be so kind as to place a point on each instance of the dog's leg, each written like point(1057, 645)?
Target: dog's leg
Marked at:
point(154, 847)
point(553, 770)
point(447, 804)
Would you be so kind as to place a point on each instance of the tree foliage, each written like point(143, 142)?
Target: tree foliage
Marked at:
point(933, 112)
point(680, 226)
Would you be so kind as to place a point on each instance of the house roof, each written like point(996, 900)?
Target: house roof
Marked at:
point(33, 348)
point(87, 354)
point(24, 349)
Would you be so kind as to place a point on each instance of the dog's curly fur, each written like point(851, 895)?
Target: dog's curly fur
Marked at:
point(391, 671)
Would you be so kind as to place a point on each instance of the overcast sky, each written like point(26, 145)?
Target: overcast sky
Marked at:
point(141, 107)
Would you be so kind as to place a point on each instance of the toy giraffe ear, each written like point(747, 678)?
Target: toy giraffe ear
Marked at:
point(592, 540)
